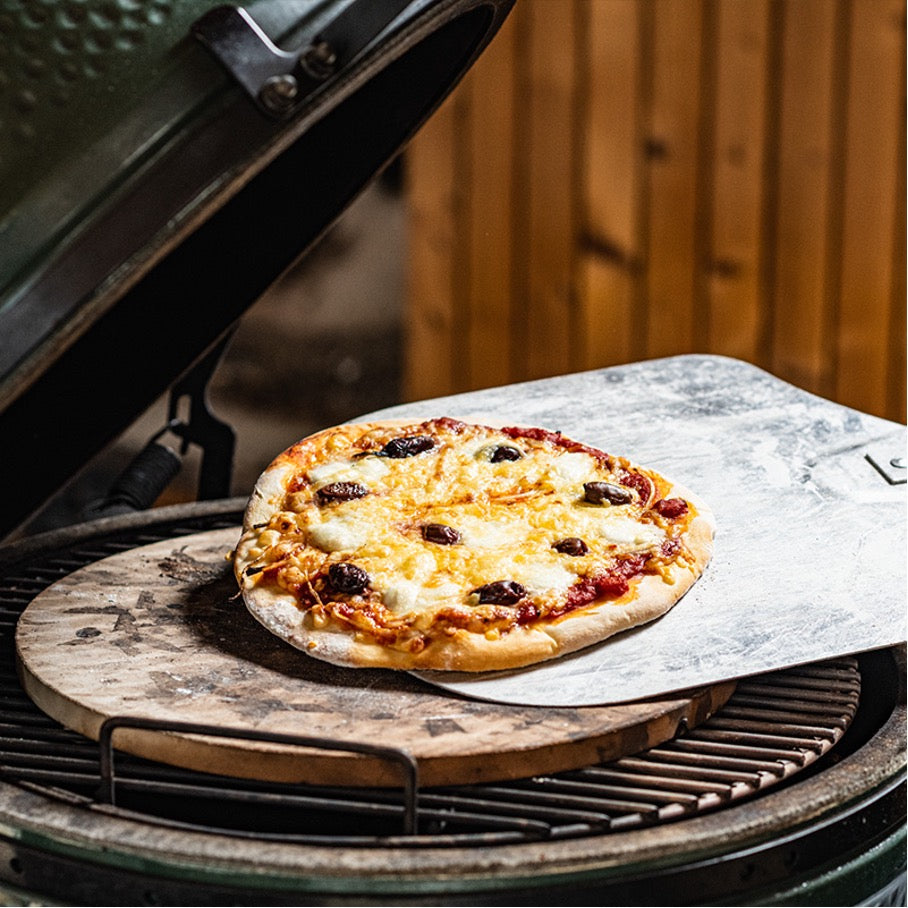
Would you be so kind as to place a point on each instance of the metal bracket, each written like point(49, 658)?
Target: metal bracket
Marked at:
point(278, 81)
point(403, 759)
point(215, 437)
point(890, 464)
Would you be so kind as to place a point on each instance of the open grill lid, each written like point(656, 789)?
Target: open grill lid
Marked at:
point(162, 164)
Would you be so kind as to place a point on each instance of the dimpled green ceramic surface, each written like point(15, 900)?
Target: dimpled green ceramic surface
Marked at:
point(70, 71)
point(69, 68)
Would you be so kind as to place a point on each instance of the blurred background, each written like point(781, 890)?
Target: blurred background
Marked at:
point(625, 179)
point(615, 180)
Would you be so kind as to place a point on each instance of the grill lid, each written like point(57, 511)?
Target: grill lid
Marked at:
point(166, 161)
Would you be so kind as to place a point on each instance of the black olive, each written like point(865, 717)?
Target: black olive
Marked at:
point(407, 446)
point(505, 452)
point(602, 492)
point(347, 578)
point(501, 592)
point(572, 545)
point(440, 533)
point(340, 491)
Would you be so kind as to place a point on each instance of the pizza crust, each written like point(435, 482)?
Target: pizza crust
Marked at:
point(649, 597)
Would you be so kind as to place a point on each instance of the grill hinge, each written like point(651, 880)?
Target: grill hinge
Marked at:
point(277, 80)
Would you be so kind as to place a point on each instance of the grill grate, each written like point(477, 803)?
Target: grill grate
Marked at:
point(773, 727)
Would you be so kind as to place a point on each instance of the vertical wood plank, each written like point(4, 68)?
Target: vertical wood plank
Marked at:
point(898, 365)
point(610, 265)
point(871, 184)
point(432, 231)
point(734, 287)
point(464, 123)
point(800, 297)
point(673, 154)
point(550, 228)
point(490, 219)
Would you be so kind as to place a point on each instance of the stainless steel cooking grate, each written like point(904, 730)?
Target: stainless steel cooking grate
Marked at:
point(773, 727)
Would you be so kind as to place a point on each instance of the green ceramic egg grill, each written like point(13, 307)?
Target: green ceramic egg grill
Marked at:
point(162, 162)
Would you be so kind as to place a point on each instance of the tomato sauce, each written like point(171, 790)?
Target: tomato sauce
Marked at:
point(610, 584)
point(556, 438)
point(671, 507)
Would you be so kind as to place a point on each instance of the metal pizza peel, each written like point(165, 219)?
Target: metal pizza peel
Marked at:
point(810, 501)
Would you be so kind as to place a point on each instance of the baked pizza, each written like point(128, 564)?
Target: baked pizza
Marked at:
point(454, 546)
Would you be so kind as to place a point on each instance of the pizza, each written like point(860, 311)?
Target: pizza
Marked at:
point(446, 545)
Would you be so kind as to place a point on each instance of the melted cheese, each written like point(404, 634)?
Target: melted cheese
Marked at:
point(362, 470)
point(509, 516)
point(625, 531)
point(339, 533)
point(573, 467)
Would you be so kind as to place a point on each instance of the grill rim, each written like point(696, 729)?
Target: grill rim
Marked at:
point(749, 827)
point(36, 822)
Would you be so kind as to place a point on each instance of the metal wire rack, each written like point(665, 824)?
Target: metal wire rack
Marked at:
point(773, 727)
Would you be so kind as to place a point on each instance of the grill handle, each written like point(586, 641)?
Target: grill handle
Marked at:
point(141, 483)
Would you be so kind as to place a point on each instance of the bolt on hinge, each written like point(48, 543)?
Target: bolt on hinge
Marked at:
point(280, 93)
point(278, 81)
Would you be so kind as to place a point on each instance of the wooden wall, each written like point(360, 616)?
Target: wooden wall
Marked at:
point(625, 179)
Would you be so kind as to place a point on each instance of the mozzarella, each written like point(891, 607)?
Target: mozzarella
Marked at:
point(402, 596)
point(408, 596)
point(361, 470)
point(539, 578)
point(489, 534)
point(573, 467)
point(339, 534)
point(623, 530)
point(323, 473)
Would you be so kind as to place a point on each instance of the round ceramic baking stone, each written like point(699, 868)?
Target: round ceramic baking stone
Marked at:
point(160, 632)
